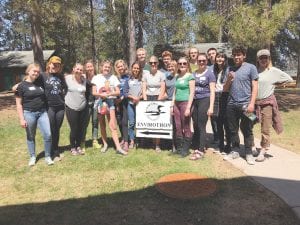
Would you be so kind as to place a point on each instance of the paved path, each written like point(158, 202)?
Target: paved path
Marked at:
point(280, 173)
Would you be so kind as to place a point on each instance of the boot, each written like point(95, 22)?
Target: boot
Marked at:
point(186, 147)
point(179, 144)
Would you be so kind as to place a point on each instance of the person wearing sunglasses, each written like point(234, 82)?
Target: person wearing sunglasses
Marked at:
point(154, 87)
point(266, 104)
point(205, 83)
point(181, 106)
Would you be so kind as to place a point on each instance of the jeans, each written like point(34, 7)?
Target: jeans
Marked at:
point(131, 120)
point(76, 121)
point(199, 115)
point(237, 119)
point(92, 112)
point(182, 122)
point(38, 119)
point(56, 117)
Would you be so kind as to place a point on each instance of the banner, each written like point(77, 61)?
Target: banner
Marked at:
point(153, 119)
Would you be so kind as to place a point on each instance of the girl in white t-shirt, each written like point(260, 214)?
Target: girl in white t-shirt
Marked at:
point(109, 82)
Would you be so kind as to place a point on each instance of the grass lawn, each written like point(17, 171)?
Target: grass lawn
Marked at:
point(112, 189)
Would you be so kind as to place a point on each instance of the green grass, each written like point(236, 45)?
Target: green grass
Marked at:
point(113, 189)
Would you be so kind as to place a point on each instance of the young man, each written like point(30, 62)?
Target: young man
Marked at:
point(166, 58)
point(211, 53)
point(193, 56)
point(141, 55)
point(242, 83)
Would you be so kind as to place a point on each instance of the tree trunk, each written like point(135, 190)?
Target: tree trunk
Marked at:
point(298, 72)
point(131, 32)
point(140, 35)
point(36, 33)
point(93, 32)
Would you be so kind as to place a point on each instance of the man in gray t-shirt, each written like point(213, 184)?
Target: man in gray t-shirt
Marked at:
point(242, 86)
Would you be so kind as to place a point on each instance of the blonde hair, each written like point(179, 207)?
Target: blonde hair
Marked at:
point(124, 64)
point(269, 65)
point(102, 64)
point(30, 67)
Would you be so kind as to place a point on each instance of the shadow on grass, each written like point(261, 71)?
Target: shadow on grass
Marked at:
point(236, 201)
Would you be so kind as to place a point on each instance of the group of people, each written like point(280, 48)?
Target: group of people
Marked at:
point(200, 86)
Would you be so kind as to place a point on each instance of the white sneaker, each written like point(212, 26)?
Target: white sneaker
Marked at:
point(32, 161)
point(261, 156)
point(250, 159)
point(231, 155)
point(49, 161)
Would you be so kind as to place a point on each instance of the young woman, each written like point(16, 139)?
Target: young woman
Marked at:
point(154, 87)
point(31, 108)
point(266, 104)
point(203, 104)
point(76, 107)
point(106, 79)
point(221, 70)
point(121, 70)
point(181, 106)
point(133, 91)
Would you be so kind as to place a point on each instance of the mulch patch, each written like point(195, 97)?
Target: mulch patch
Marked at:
point(186, 186)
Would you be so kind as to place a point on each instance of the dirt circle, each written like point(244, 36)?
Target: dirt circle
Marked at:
point(185, 186)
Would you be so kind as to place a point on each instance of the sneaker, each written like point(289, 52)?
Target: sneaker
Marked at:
point(49, 161)
point(96, 145)
point(122, 152)
point(231, 155)
point(104, 148)
point(157, 149)
point(250, 159)
point(32, 161)
point(80, 151)
point(82, 148)
point(74, 152)
point(254, 151)
point(261, 156)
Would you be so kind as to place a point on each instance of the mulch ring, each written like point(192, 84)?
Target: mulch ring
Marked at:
point(185, 186)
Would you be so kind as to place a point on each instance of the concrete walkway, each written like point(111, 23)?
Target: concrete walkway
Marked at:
point(280, 173)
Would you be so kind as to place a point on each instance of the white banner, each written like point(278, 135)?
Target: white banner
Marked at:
point(153, 119)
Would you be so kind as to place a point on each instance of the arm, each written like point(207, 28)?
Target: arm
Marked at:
point(144, 84)
point(212, 88)
point(14, 88)
point(228, 82)
point(23, 122)
point(191, 97)
point(162, 90)
point(253, 96)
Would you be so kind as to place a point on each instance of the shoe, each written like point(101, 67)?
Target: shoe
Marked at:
point(254, 151)
point(104, 148)
point(32, 161)
point(231, 155)
point(122, 152)
point(157, 149)
point(56, 156)
point(125, 146)
point(261, 155)
point(74, 152)
point(131, 145)
point(80, 151)
point(197, 155)
point(82, 148)
point(49, 161)
point(249, 159)
point(96, 145)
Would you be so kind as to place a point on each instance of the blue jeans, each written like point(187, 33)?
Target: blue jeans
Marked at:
point(131, 120)
point(38, 119)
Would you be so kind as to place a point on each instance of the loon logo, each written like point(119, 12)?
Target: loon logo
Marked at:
point(153, 111)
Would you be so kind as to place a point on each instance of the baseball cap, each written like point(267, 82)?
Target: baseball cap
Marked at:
point(263, 52)
point(55, 59)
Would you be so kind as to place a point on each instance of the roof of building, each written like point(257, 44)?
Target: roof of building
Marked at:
point(9, 59)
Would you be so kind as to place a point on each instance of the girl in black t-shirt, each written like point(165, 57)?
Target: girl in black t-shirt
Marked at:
point(31, 108)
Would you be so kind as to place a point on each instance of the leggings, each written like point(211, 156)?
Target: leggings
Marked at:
point(199, 115)
point(122, 119)
point(76, 121)
point(56, 117)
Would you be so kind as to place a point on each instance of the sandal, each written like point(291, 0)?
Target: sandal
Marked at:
point(197, 155)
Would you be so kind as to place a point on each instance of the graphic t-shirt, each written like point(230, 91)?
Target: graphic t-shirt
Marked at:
point(106, 83)
point(182, 87)
point(33, 96)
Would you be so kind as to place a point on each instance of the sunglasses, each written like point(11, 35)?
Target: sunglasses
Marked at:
point(202, 60)
point(153, 63)
point(182, 63)
point(263, 57)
